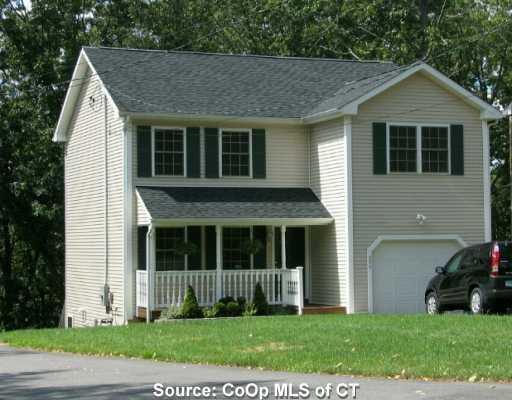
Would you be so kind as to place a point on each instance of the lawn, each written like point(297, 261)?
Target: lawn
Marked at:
point(443, 347)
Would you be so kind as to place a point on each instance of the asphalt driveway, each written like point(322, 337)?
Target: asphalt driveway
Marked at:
point(26, 374)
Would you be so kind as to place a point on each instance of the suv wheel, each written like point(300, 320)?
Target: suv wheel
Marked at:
point(432, 304)
point(476, 302)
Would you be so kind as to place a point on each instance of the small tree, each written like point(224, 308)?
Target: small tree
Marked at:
point(190, 307)
point(260, 301)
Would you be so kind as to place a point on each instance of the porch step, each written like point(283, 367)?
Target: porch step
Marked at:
point(323, 309)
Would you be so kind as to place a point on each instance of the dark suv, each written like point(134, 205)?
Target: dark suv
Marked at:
point(477, 278)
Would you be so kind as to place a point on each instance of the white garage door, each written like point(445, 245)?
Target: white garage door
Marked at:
point(401, 271)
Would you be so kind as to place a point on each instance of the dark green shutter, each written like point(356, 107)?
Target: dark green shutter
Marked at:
point(259, 157)
point(141, 247)
point(260, 258)
point(193, 153)
point(143, 151)
point(211, 138)
point(194, 236)
point(210, 247)
point(457, 149)
point(380, 166)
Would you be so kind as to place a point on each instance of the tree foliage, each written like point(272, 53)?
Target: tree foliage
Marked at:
point(468, 41)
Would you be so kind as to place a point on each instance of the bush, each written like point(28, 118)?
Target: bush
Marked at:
point(173, 312)
point(218, 310)
point(226, 300)
point(260, 301)
point(190, 307)
point(250, 310)
point(242, 302)
point(233, 309)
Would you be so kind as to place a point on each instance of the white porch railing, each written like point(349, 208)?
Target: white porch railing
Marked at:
point(280, 286)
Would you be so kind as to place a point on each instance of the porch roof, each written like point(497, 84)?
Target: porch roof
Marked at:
point(231, 203)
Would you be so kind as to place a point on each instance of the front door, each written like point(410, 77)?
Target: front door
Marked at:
point(296, 251)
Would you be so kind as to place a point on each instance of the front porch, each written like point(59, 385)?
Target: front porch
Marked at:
point(222, 242)
point(235, 274)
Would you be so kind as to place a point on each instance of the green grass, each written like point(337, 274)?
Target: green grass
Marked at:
point(442, 347)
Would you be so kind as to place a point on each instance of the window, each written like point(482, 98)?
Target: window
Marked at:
point(167, 240)
point(453, 264)
point(234, 254)
point(402, 149)
point(235, 153)
point(434, 149)
point(169, 154)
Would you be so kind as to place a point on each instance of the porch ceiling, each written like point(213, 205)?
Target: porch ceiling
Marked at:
point(219, 203)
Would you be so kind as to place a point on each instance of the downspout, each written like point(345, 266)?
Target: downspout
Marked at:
point(106, 289)
point(149, 250)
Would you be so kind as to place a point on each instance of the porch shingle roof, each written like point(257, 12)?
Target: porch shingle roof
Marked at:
point(231, 203)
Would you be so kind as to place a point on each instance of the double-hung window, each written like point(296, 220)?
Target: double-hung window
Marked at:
point(434, 149)
point(418, 148)
point(233, 254)
point(167, 242)
point(236, 153)
point(169, 151)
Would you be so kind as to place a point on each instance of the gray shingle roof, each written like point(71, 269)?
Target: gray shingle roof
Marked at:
point(160, 82)
point(227, 203)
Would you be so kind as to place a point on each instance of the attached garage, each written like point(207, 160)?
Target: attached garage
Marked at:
point(400, 270)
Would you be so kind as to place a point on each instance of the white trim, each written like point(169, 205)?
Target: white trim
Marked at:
point(385, 238)
point(169, 128)
point(128, 253)
point(307, 260)
point(349, 226)
point(241, 221)
point(487, 182)
point(419, 155)
point(75, 86)
point(241, 130)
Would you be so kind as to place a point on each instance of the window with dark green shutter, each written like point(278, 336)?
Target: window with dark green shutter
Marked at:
point(457, 149)
point(379, 148)
point(211, 138)
point(169, 156)
point(259, 157)
point(144, 151)
point(193, 153)
point(235, 152)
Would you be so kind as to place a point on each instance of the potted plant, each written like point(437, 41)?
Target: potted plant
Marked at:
point(186, 248)
point(252, 247)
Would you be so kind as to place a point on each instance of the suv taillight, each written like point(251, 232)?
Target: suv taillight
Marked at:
point(495, 260)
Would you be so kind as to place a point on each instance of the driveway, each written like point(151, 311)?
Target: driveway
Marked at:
point(26, 374)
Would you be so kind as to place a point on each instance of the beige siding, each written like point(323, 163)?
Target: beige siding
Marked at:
point(143, 217)
point(388, 204)
point(286, 161)
point(328, 249)
point(85, 208)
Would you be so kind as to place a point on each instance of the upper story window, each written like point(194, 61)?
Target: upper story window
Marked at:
point(402, 149)
point(434, 149)
point(169, 151)
point(418, 148)
point(236, 153)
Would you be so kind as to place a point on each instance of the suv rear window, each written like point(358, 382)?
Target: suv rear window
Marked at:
point(484, 253)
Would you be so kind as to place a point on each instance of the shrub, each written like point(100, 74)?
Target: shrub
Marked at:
point(173, 312)
point(218, 310)
point(226, 300)
point(242, 302)
point(250, 310)
point(260, 301)
point(233, 309)
point(190, 307)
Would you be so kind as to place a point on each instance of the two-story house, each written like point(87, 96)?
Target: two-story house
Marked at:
point(330, 182)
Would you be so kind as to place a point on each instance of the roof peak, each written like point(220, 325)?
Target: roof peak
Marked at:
point(240, 55)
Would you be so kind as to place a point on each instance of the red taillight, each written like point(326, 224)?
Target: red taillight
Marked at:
point(495, 260)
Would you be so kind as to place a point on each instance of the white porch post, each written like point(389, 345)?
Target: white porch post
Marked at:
point(218, 275)
point(283, 247)
point(149, 272)
point(300, 289)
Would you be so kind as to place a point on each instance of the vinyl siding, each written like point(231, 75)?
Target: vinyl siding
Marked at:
point(142, 214)
point(327, 180)
point(286, 159)
point(85, 208)
point(388, 204)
